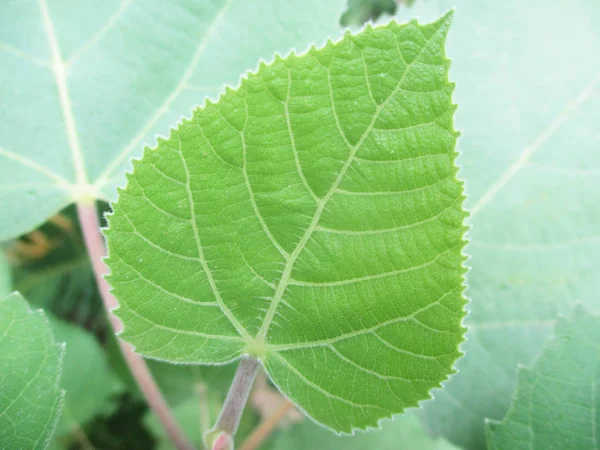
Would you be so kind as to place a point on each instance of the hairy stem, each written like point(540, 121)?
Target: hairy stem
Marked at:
point(221, 436)
point(90, 226)
point(267, 426)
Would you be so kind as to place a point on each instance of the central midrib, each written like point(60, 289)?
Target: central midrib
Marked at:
point(291, 260)
point(59, 71)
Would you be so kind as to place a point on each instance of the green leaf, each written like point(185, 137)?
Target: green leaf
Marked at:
point(528, 86)
point(30, 367)
point(91, 387)
point(311, 218)
point(403, 432)
point(91, 82)
point(557, 402)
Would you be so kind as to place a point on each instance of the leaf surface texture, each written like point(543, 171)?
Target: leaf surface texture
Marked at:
point(30, 368)
point(91, 83)
point(557, 401)
point(311, 218)
point(529, 150)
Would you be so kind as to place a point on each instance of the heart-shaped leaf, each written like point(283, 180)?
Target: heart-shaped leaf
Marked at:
point(91, 82)
point(311, 218)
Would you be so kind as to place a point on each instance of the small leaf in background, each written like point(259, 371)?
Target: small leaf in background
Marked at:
point(57, 282)
point(528, 86)
point(311, 218)
point(30, 370)
point(91, 388)
point(557, 402)
point(90, 83)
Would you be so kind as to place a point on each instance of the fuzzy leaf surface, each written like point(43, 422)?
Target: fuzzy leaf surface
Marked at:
point(30, 368)
point(88, 84)
point(311, 218)
point(529, 151)
point(557, 401)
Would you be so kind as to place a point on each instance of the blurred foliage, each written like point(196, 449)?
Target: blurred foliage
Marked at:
point(91, 388)
point(361, 11)
point(124, 430)
point(403, 432)
point(196, 414)
point(50, 267)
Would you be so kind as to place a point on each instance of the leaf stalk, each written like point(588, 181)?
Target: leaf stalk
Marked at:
point(221, 436)
point(90, 226)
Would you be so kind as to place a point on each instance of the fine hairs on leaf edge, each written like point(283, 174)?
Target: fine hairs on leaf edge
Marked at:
point(62, 349)
point(457, 167)
point(466, 235)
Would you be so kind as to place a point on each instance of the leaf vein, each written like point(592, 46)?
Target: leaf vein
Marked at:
point(160, 112)
point(351, 334)
point(323, 391)
point(286, 275)
point(166, 291)
point(293, 282)
point(252, 197)
point(293, 141)
point(228, 313)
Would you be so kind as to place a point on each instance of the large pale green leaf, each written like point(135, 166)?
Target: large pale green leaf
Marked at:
point(311, 218)
point(30, 367)
point(528, 86)
point(557, 402)
point(86, 84)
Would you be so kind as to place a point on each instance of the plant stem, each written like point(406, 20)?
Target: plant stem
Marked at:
point(90, 225)
point(267, 426)
point(221, 436)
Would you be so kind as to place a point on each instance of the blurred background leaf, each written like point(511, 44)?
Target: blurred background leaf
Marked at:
point(91, 388)
point(403, 432)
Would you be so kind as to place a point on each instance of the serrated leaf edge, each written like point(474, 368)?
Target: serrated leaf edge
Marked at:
point(457, 167)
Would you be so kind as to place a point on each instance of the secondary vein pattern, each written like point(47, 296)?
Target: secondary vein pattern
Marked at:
point(312, 218)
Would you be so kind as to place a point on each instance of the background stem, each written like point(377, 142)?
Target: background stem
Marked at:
point(90, 225)
point(267, 426)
